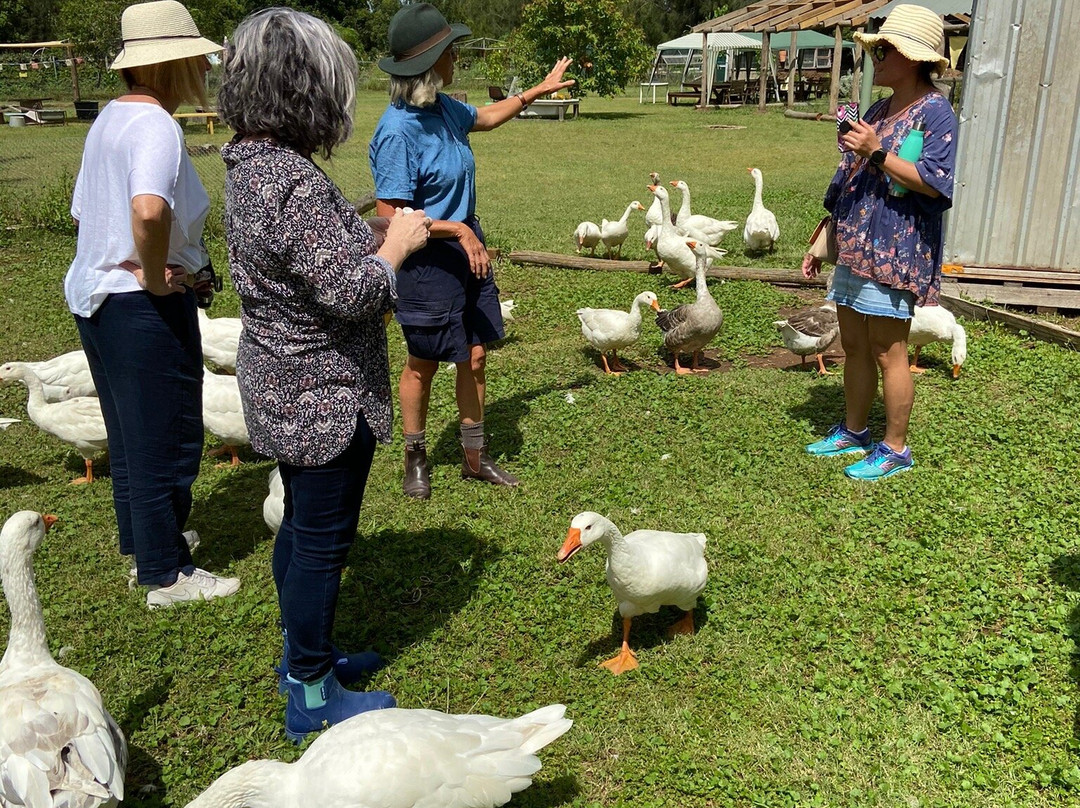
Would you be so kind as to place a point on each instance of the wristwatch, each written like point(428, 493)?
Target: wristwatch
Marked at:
point(877, 158)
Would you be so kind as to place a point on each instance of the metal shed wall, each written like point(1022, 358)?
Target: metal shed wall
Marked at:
point(1017, 197)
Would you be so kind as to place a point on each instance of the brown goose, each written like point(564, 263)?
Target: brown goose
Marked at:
point(690, 327)
point(810, 331)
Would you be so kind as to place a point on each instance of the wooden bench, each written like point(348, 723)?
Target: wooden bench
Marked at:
point(673, 97)
point(209, 117)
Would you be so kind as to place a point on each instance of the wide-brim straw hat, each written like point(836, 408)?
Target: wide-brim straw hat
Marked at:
point(159, 31)
point(418, 35)
point(915, 31)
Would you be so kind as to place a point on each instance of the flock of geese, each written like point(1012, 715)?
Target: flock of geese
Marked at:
point(687, 243)
point(60, 747)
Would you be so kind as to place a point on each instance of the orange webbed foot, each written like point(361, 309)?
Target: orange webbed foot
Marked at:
point(683, 626)
point(625, 660)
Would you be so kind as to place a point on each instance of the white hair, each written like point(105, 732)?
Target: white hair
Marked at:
point(416, 91)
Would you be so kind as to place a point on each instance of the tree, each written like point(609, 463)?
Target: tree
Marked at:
point(608, 50)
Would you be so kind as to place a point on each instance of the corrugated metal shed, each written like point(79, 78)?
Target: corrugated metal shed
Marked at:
point(1017, 199)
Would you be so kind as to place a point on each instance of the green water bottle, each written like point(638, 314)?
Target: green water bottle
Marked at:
point(910, 150)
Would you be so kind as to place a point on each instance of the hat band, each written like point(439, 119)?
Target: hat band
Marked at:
point(424, 46)
point(911, 37)
point(160, 38)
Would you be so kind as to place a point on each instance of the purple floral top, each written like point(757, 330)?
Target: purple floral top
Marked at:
point(313, 347)
point(897, 241)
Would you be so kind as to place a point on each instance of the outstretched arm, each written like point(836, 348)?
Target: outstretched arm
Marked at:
point(493, 115)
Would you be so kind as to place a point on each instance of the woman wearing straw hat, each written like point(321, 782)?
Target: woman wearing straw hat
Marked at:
point(889, 245)
point(140, 208)
point(448, 304)
point(314, 282)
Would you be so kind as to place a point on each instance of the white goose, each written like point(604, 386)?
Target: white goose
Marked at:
point(220, 337)
point(690, 327)
point(810, 331)
point(399, 758)
point(612, 329)
point(937, 324)
point(761, 230)
point(274, 504)
point(646, 569)
point(698, 226)
point(223, 413)
point(77, 421)
point(65, 376)
point(587, 234)
point(58, 744)
point(671, 246)
point(613, 234)
point(507, 309)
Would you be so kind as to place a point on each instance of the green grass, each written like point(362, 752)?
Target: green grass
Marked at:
point(899, 644)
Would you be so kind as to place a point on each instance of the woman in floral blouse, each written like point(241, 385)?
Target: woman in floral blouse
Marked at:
point(314, 282)
point(889, 246)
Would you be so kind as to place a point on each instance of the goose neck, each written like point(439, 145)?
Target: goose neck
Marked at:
point(255, 784)
point(26, 640)
point(758, 183)
point(684, 207)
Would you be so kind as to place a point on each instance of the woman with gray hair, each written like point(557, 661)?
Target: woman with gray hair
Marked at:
point(314, 282)
point(448, 304)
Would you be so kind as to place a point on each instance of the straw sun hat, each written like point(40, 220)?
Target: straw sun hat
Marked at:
point(159, 31)
point(915, 31)
point(418, 35)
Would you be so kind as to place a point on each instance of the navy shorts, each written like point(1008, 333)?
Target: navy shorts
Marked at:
point(443, 308)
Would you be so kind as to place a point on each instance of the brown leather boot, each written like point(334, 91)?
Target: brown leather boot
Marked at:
point(476, 464)
point(417, 482)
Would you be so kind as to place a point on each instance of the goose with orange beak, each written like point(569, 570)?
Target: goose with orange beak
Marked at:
point(646, 569)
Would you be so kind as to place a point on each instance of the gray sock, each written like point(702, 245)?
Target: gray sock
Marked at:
point(472, 435)
point(416, 440)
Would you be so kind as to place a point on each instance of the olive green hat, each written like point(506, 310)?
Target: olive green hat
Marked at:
point(419, 34)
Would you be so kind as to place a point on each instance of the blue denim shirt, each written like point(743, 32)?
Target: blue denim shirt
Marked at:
point(422, 155)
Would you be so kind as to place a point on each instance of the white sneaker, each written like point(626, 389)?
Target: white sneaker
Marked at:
point(193, 541)
point(200, 585)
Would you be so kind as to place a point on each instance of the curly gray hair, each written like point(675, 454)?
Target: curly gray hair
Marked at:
point(289, 76)
point(416, 91)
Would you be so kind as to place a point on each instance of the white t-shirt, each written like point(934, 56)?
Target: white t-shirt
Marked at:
point(132, 148)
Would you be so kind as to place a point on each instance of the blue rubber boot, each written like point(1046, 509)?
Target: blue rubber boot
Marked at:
point(348, 668)
point(314, 706)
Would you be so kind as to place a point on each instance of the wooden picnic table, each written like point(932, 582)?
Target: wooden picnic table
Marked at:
point(209, 116)
point(34, 103)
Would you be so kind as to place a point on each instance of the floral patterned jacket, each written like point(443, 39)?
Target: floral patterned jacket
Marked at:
point(313, 293)
point(897, 241)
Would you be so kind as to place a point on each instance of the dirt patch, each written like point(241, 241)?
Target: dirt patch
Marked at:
point(783, 359)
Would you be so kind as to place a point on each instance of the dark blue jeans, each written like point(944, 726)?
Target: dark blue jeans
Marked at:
point(146, 359)
point(322, 509)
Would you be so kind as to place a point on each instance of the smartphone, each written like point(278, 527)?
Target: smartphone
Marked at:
point(846, 114)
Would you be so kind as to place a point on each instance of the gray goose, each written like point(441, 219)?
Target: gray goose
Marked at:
point(690, 327)
point(810, 331)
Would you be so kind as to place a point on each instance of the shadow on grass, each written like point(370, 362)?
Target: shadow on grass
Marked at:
point(550, 793)
point(1065, 571)
point(402, 585)
point(824, 408)
point(10, 476)
point(238, 491)
point(501, 419)
point(143, 783)
point(611, 116)
point(646, 632)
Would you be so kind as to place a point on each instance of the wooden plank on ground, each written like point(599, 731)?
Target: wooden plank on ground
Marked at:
point(1018, 274)
point(1018, 295)
point(781, 277)
point(1032, 327)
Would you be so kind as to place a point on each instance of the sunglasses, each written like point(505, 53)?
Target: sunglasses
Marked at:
point(879, 52)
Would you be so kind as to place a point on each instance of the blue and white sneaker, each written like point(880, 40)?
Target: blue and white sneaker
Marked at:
point(841, 441)
point(880, 463)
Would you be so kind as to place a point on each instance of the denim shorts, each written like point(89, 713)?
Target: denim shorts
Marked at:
point(867, 296)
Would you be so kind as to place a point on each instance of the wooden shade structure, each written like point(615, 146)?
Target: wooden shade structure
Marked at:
point(65, 44)
point(776, 16)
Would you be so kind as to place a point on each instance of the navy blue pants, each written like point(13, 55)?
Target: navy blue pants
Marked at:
point(146, 359)
point(322, 509)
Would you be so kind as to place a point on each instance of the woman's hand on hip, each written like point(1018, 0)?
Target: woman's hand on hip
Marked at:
point(479, 262)
point(811, 266)
point(862, 139)
point(175, 279)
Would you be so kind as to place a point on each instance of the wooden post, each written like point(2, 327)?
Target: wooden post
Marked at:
point(703, 101)
point(856, 77)
point(763, 71)
point(866, 89)
point(834, 80)
point(793, 63)
point(74, 72)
